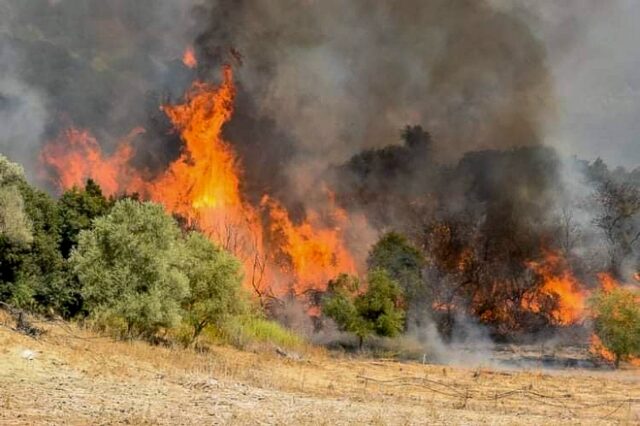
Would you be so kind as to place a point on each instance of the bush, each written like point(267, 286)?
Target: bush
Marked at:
point(376, 311)
point(78, 207)
point(214, 281)
point(404, 263)
point(617, 322)
point(129, 267)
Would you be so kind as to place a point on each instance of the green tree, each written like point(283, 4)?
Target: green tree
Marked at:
point(215, 284)
point(129, 267)
point(376, 311)
point(78, 207)
point(15, 226)
point(404, 263)
point(31, 267)
point(617, 322)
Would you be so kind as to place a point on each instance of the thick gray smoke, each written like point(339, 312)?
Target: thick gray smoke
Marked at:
point(322, 79)
point(340, 77)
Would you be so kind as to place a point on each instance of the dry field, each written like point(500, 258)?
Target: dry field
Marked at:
point(75, 377)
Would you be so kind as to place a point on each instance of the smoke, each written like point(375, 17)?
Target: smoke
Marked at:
point(593, 60)
point(23, 111)
point(342, 77)
point(103, 66)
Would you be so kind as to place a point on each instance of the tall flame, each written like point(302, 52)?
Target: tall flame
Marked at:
point(206, 175)
point(203, 185)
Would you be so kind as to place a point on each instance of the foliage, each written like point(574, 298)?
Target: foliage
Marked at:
point(14, 223)
point(78, 207)
point(215, 284)
point(31, 267)
point(377, 310)
point(129, 267)
point(244, 330)
point(617, 322)
point(404, 263)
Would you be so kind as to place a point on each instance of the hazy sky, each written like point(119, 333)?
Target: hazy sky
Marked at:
point(594, 55)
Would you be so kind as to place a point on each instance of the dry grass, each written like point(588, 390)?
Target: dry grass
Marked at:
point(79, 378)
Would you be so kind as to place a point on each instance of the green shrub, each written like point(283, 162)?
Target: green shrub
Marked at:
point(617, 322)
point(215, 284)
point(129, 267)
point(376, 311)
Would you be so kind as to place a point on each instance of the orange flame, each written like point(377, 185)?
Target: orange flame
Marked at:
point(206, 175)
point(559, 283)
point(607, 282)
point(189, 58)
point(315, 253)
point(204, 186)
point(597, 348)
point(76, 156)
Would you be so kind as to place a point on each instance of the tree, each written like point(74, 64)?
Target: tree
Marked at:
point(215, 283)
point(30, 264)
point(78, 207)
point(404, 263)
point(617, 322)
point(14, 223)
point(618, 218)
point(378, 310)
point(128, 265)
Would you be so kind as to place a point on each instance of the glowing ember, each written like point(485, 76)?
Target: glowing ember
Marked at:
point(560, 284)
point(189, 58)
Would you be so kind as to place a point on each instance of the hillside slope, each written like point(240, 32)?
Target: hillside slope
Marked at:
point(71, 376)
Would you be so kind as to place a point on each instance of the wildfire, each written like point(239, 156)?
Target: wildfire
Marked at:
point(315, 253)
point(203, 185)
point(560, 284)
point(206, 175)
point(189, 58)
point(76, 156)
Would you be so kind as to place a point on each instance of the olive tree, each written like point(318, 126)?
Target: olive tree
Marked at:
point(129, 268)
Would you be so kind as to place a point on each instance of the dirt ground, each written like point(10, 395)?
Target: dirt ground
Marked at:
point(71, 376)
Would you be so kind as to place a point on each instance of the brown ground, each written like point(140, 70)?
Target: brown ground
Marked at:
point(80, 378)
